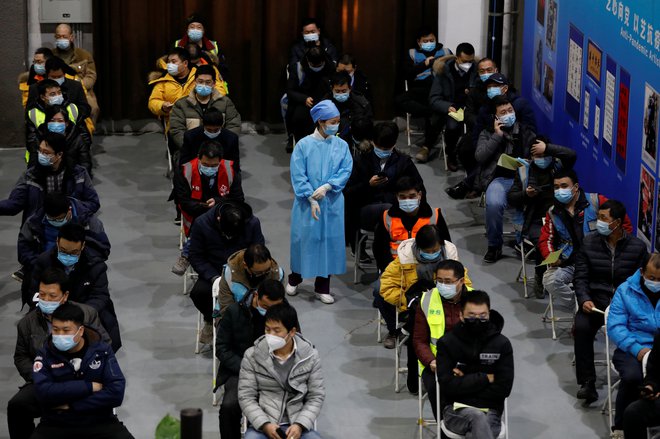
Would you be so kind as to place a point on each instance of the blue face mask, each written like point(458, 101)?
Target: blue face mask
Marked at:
point(57, 223)
point(311, 37)
point(652, 285)
point(47, 307)
point(211, 135)
point(203, 90)
point(209, 171)
point(172, 69)
point(261, 311)
point(60, 81)
point(484, 77)
point(543, 162)
point(63, 43)
point(447, 291)
point(564, 196)
point(39, 69)
point(410, 205)
point(67, 260)
point(430, 256)
point(382, 153)
point(65, 343)
point(56, 100)
point(493, 91)
point(341, 97)
point(195, 35)
point(603, 228)
point(317, 69)
point(57, 127)
point(427, 47)
point(44, 160)
point(508, 119)
point(331, 129)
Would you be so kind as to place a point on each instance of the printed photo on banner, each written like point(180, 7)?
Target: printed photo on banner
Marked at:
point(594, 62)
point(646, 205)
point(538, 65)
point(608, 109)
point(650, 126)
point(549, 83)
point(540, 12)
point(574, 74)
point(551, 26)
point(622, 120)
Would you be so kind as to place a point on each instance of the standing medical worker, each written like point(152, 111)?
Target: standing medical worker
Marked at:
point(321, 164)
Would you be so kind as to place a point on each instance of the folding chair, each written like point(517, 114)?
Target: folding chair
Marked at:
point(420, 404)
point(607, 405)
point(409, 131)
point(167, 148)
point(504, 432)
point(549, 315)
point(379, 324)
point(200, 325)
point(400, 342)
point(362, 238)
point(216, 305)
point(524, 255)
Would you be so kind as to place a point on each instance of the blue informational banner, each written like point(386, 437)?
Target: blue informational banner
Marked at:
point(591, 69)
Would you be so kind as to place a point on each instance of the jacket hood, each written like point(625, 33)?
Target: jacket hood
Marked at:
point(634, 282)
point(153, 76)
point(215, 96)
point(240, 204)
point(304, 348)
point(495, 326)
point(91, 336)
point(406, 251)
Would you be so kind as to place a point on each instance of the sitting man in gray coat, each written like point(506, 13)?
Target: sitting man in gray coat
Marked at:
point(280, 385)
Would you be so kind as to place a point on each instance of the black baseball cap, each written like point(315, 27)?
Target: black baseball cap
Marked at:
point(497, 78)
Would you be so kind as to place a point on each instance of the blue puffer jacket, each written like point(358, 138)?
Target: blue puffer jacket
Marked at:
point(632, 321)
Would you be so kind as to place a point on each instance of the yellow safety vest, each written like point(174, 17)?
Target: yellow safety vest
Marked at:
point(38, 117)
point(431, 306)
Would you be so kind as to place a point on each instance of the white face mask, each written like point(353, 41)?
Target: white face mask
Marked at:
point(275, 342)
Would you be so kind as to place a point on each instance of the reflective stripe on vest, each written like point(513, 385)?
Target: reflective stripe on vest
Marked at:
point(190, 171)
point(418, 57)
point(398, 232)
point(38, 117)
point(431, 306)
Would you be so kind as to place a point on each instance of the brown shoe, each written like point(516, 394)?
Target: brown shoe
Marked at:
point(423, 155)
point(390, 341)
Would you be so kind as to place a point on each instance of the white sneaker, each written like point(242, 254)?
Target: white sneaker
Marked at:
point(291, 290)
point(325, 298)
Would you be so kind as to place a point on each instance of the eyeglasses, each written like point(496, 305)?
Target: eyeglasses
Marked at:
point(482, 316)
point(69, 252)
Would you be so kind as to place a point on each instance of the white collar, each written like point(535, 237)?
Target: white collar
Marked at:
point(283, 360)
point(317, 135)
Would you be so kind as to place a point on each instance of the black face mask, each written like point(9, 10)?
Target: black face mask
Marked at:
point(476, 327)
point(256, 279)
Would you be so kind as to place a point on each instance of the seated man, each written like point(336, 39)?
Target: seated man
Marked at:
point(33, 330)
point(201, 184)
point(211, 129)
point(631, 326)
point(77, 381)
point(351, 105)
point(245, 271)
point(242, 324)
point(39, 233)
point(311, 37)
point(449, 93)
point(195, 33)
point(359, 82)
point(188, 111)
point(507, 136)
point(177, 83)
point(372, 185)
point(219, 233)
point(437, 312)
point(475, 369)
point(572, 216)
point(532, 193)
point(418, 71)
point(307, 84)
point(645, 412)
point(80, 60)
point(605, 260)
point(84, 262)
point(36, 73)
point(271, 397)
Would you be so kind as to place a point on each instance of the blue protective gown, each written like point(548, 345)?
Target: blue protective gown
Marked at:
point(318, 247)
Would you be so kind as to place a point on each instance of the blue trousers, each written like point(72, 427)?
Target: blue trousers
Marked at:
point(495, 205)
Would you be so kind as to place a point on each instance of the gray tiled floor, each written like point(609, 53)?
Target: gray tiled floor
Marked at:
point(158, 322)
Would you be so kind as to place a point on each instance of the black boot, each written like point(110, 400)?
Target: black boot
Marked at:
point(588, 392)
point(458, 192)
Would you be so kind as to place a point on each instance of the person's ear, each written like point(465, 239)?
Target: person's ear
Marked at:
point(65, 297)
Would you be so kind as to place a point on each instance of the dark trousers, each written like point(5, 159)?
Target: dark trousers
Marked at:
point(230, 411)
point(22, 409)
point(453, 131)
point(465, 150)
point(630, 373)
point(416, 102)
point(586, 327)
point(428, 380)
point(321, 284)
point(639, 416)
point(387, 310)
point(359, 216)
point(110, 430)
point(298, 120)
point(202, 298)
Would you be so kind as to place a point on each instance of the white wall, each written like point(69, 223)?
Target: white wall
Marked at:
point(463, 21)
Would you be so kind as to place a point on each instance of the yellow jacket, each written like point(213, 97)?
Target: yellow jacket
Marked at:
point(401, 274)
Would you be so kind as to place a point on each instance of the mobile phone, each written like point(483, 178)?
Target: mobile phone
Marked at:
point(381, 175)
point(281, 433)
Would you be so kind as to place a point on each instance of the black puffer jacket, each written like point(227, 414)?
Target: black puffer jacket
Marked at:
point(490, 354)
point(598, 273)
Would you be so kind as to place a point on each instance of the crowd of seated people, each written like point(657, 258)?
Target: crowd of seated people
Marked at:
point(348, 177)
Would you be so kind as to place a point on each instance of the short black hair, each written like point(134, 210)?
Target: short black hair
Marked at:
point(56, 141)
point(340, 78)
point(56, 63)
point(465, 48)
point(566, 173)
point(56, 204)
point(451, 264)
point(210, 149)
point(406, 183)
point(347, 59)
point(616, 207)
point(55, 275)
point(285, 314)
point(256, 254)
point(45, 51)
point(498, 101)
point(51, 111)
point(428, 237)
point(213, 117)
point(232, 219)
point(180, 52)
point(68, 312)
point(206, 69)
point(386, 134)
point(362, 128)
point(484, 59)
point(310, 20)
point(45, 84)
point(72, 231)
point(195, 17)
point(424, 31)
point(475, 297)
point(315, 56)
point(272, 289)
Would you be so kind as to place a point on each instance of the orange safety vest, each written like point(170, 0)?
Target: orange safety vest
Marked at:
point(190, 171)
point(398, 232)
